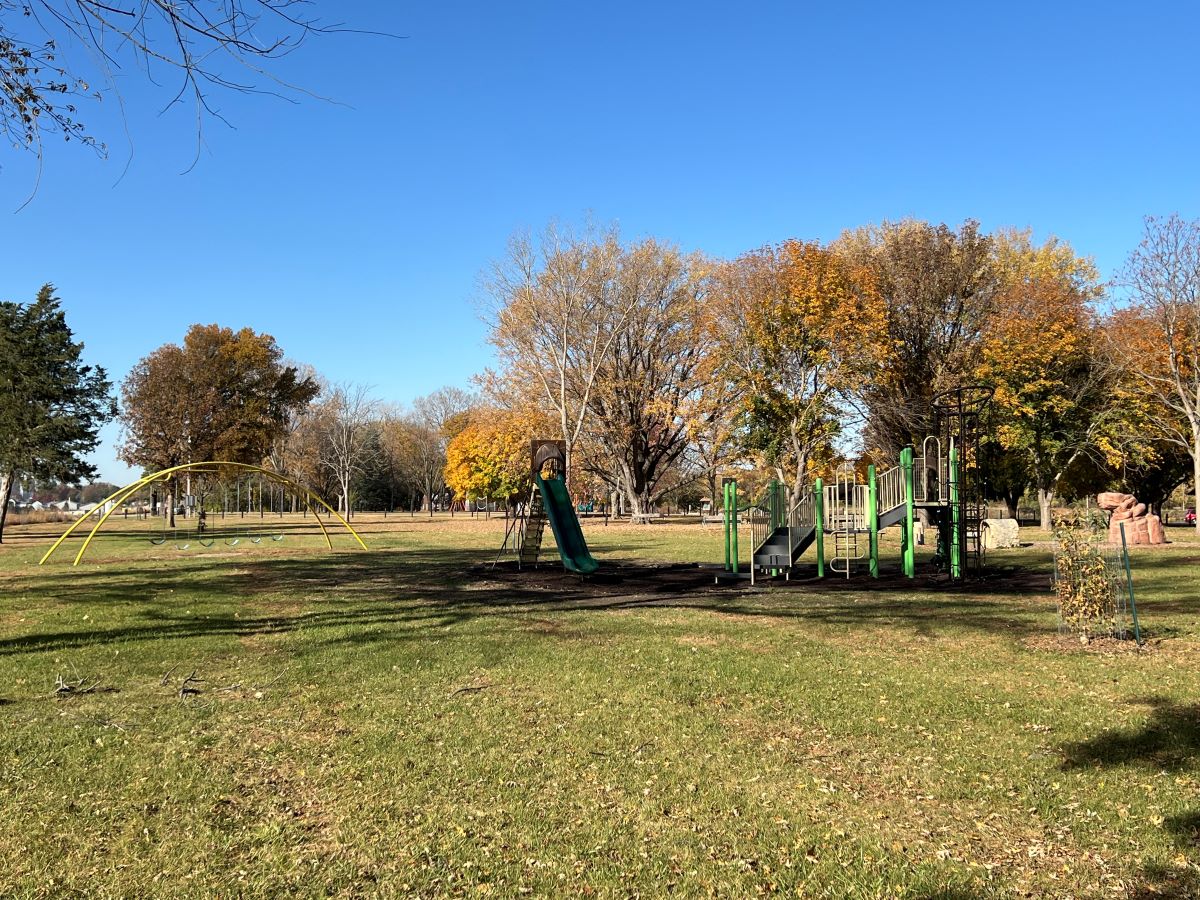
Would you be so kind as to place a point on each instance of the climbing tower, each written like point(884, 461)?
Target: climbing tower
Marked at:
point(960, 414)
point(938, 482)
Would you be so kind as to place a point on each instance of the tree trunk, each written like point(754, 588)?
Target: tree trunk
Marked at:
point(1196, 473)
point(5, 493)
point(635, 503)
point(801, 473)
point(637, 493)
point(1045, 504)
point(1011, 503)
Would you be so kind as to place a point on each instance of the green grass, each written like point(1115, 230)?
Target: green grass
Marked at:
point(395, 723)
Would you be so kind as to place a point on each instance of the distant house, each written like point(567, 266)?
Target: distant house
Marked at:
point(87, 508)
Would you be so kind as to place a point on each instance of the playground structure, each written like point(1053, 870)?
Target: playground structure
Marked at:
point(942, 482)
point(550, 503)
point(183, 539)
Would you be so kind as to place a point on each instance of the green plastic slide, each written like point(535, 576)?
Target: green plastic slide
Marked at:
point(565, 524)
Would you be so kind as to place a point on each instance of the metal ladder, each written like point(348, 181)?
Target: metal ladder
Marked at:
point(846, 515)
point(535, 527)
point(973, 515)
point(846, 552)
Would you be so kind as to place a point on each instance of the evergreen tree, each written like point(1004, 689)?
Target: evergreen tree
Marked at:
point(51, 405)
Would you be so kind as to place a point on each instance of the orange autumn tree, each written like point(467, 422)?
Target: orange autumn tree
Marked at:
point(1041, 353)
point(1144, 439)
point(799, 329)
point(488, 459)
point(1158, 339)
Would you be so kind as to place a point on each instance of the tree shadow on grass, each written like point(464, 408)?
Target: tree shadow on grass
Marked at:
point(1161, 883)
point(400, 594)
point(1169, 741)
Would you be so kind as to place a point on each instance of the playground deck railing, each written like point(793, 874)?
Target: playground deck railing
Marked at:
point(890, 488)
point(846, 507)
point(931, 473)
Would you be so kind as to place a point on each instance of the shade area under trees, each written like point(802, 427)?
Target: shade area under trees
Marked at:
point(663, 370)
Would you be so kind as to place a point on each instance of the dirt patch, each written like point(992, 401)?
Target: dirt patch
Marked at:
point(552, 628)
point(1103, 646)
point(620, 579)
point(613, 580)
point(928, 579)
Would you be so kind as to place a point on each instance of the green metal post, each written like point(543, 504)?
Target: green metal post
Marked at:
point(819, 521)
point(873, 521)
point(956, 542)
point(1137, 631)
point(733, 505)
point(907, 537)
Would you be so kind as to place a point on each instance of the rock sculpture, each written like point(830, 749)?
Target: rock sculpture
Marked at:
point(1001, 534)
point(1141, 527)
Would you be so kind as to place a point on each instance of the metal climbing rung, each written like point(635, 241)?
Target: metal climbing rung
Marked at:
point(846, 516)
point(846, 552)
point(535, 527)
point(973, 516)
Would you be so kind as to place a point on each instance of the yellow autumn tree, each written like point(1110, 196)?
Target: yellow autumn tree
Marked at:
point(799, 328)
point(1042, 354)
point(488, 459)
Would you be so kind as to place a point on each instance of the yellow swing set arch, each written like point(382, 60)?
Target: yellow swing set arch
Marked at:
point(108, 506)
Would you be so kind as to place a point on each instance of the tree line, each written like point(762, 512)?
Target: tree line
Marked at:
point(659, 367)
point(232, 396)
point(663, 370)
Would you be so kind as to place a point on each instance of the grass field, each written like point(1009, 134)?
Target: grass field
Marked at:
point(274, 718)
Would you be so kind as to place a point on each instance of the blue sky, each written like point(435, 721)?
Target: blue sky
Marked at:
point(355, 231)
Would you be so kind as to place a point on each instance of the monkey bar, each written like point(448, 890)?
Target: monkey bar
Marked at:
point(105, 508)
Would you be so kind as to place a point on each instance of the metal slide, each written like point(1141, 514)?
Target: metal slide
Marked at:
point(567, 534)
point(781, 538)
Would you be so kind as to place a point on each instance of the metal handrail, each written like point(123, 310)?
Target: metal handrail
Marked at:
point(802, 517)
point(758, 515)
point(891, 490)
point(803, 513)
